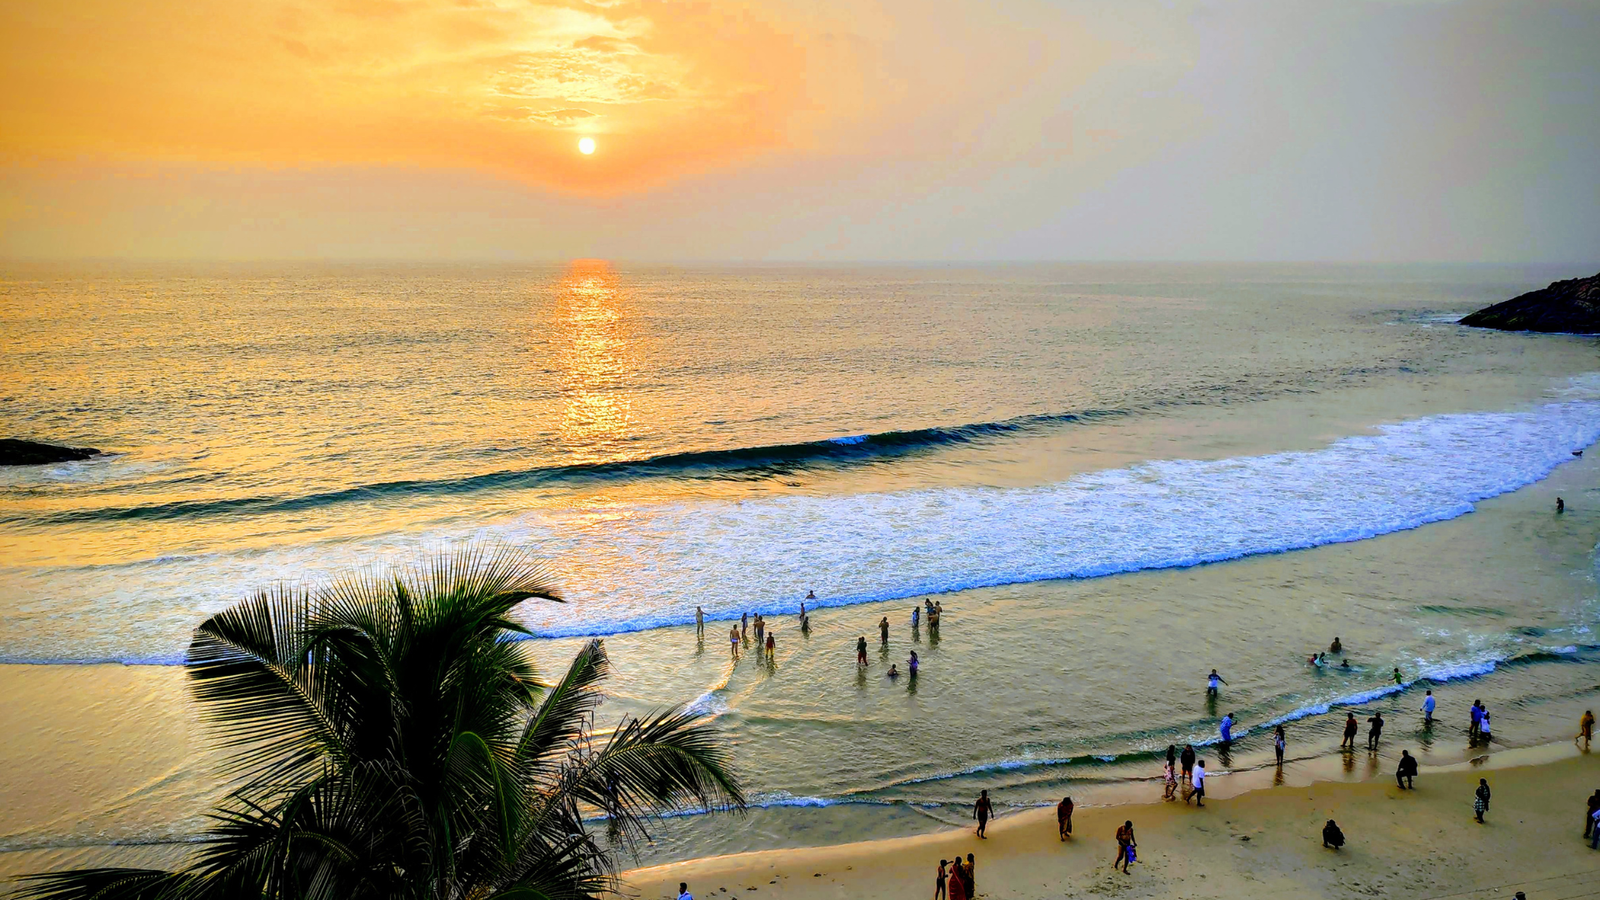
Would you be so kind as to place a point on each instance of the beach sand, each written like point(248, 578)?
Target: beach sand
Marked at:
point(1264, 842)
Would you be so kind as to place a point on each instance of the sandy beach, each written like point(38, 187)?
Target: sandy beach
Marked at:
point(1265, 842)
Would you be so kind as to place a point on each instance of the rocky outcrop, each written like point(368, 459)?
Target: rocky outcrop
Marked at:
point(29, 453)
point(1570, 307)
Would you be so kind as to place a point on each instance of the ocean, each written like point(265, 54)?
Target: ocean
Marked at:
point(1114, 478)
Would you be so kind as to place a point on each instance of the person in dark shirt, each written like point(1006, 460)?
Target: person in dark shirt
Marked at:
point(1407, 770)
point(1332, 836)
point(1374, 730)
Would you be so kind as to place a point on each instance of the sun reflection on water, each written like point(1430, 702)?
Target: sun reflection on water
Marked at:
point(595, 354)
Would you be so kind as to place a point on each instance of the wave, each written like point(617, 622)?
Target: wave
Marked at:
point(739, 462)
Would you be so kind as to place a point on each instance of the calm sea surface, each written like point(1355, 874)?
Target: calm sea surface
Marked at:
point(1114, 478)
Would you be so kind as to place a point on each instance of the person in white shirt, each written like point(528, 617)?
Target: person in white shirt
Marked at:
point(683, 892)
point(1427, 708)
point(1200, 783)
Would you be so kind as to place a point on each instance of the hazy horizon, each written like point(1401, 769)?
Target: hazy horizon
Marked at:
point(1433, 131)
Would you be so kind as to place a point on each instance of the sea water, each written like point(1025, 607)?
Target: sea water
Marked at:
point(1114, 478)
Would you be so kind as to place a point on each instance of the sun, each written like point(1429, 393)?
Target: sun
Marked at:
point(586, 146)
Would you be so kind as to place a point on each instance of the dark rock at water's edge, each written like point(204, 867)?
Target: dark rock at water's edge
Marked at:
point(1568, 307)
point(30, 453)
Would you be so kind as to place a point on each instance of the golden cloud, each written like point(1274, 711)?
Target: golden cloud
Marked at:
point(666, 88)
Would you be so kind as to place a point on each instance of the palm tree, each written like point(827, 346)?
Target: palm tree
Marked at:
point(388, 737)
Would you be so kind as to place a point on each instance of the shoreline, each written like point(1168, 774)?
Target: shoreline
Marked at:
point(1254, 838)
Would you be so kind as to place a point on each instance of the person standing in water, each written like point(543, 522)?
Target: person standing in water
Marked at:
point(1279, 740)
point(911, 665)
point(1476, 712)
point(699, 622)
point(761, 628)
point(1212, 681)
point(883, 631)
point(861, 651)
point(1484, 729)
point(1335, 647)
point(1064, 817)
point(1561, 505)
point(1585, 729)
point(1397, 678)
point(1480, 800)
point(1199, 784)
point(733, 638)
point(916, 614)
point(1226, 728)
point(981, 811)
point(1350, 729)
point(1188, 763)
point(1374, 730)
point(744, 626)
point(1427, 709)
point(772, 647)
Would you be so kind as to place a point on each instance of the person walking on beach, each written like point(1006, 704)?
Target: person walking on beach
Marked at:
point(1188, 762)
point(1226, 728)
point(1332, 836)
point(1427, 709)
point(861, 651)
point(1480, 800)
point(1064, 817)
point(981, 811)
point(1212, 681)
point(1125, 846)
point(938, 883)
point(1588, 817)
point(683, 891)
point(699, 622)
point(1374, 730)
point(1350, 729)
point(1279, 740)
point(1585, 728)
point(1199, 784)
point(883, 631)
point(1169, 780)
point(1407, 770)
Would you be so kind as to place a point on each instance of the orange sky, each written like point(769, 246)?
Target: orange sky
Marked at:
point(507, 86)
point(800, 129)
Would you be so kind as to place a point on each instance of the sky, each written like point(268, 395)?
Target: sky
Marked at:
point(801, 130)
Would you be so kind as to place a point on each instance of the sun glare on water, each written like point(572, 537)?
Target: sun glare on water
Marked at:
point(586, 146)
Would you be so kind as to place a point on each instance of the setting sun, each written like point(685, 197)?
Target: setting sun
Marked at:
point(586, 146)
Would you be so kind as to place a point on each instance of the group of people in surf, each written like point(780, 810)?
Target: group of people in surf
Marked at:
point(1320, 660)
point(766, 642)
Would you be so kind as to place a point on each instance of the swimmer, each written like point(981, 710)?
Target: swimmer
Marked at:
point(811, 595)
point(1336, 647)
point(861, 651)
point(1345, 664)
point(893, 672)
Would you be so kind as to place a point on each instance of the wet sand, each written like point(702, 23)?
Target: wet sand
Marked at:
point(1263, 842)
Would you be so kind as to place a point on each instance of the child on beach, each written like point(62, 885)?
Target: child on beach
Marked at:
point(938, 884)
